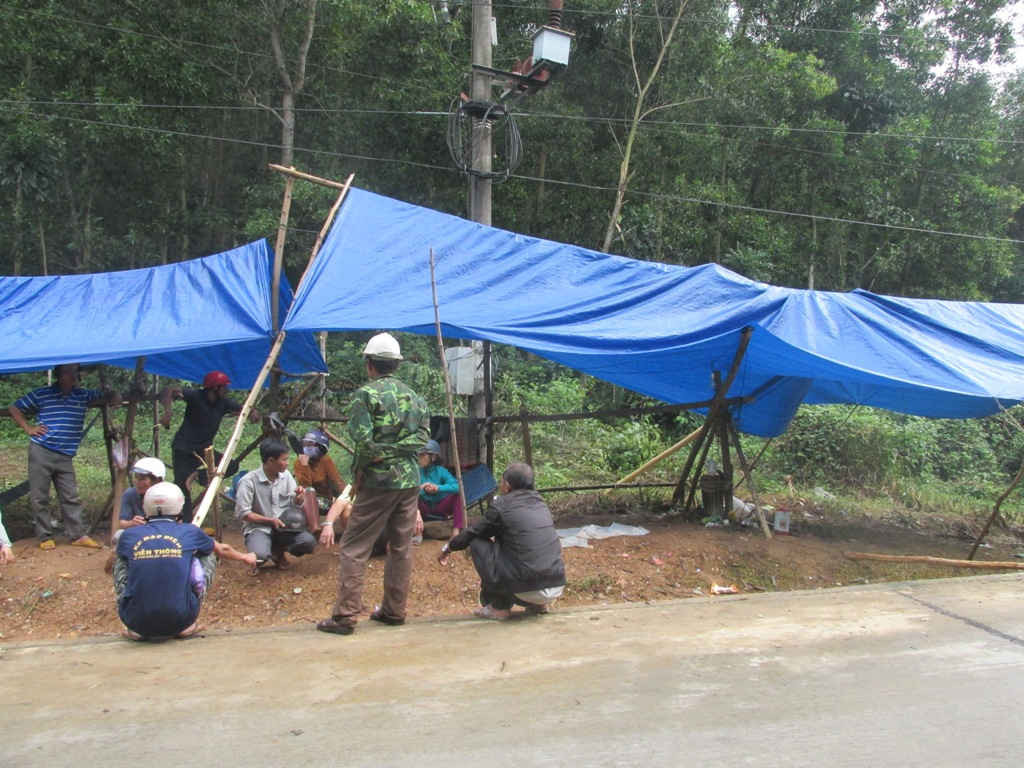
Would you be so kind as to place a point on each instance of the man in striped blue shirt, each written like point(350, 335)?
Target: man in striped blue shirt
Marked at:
point(60, 412)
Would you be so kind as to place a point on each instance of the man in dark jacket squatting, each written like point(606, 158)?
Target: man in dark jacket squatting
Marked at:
point(515, 549)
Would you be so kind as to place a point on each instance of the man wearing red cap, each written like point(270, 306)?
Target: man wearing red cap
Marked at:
point(204, 410)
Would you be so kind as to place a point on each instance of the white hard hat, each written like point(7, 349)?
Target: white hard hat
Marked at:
point(383, 346)
point(151, 466)
point(163, 500)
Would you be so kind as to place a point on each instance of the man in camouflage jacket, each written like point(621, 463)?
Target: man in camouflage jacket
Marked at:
point(387, 426)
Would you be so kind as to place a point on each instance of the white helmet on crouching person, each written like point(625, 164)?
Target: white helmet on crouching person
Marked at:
point(383, 346)
point(149, 465)
point(163, 500)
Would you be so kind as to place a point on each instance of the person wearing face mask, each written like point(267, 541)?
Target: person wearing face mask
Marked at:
point(316, 473)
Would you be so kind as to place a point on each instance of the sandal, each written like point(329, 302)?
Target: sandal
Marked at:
point(336, 625)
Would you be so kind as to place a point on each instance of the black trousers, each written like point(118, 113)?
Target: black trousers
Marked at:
point(492, 591)
point(184, 464)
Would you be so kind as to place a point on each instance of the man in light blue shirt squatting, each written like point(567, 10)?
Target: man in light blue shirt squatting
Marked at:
point(268, 501)
point(60, 412)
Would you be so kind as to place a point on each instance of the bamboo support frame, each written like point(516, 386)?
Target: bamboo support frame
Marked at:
point(275, 350)
point(448, 393)
point(289, 171)
point(717, 405)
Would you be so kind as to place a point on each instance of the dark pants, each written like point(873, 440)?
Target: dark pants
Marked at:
point(295, 543)
point(485, 557)
point(185, 463)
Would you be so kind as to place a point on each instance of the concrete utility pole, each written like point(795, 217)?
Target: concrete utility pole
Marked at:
point(480, 91)
point(480, 186)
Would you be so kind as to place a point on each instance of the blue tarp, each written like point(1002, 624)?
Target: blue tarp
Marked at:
point(659, 329)
point(185, 318)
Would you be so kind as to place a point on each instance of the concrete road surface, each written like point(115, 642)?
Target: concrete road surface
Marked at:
point(915, 674)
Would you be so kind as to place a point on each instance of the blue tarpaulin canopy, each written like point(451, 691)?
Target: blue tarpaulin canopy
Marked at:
point(186, 318)
point(659, 329)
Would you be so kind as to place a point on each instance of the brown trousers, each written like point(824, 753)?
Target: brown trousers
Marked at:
point(374, 511)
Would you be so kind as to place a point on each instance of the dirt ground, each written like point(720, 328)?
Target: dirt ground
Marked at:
point(64, 593)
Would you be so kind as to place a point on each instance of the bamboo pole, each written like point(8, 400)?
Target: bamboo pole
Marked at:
point(709, 441)
point(275, 284)
point(282, 231)
point(323, 379)
point(448, 393)
point(661, 456)
point(995, 512)
point(702, 435)
point(984, 564)
point(488, 407)
point(156, 416)
point(236, 433)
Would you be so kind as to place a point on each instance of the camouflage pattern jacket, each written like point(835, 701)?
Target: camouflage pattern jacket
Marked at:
point(387, 425)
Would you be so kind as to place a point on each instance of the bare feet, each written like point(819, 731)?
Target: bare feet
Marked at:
point(127, 634)
point(191, 631)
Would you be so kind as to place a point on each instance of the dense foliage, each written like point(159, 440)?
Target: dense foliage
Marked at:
point(138, 133)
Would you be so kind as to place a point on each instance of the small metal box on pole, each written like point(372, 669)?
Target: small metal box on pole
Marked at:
point(551, 45)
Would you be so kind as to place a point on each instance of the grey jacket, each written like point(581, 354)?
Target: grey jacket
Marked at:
point(526, 554)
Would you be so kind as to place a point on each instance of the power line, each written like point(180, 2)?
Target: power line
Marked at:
point(245, 142)
point(581, 185)
point(223, 107)
point(775, 128)
point(757, 209)
point(429, 113)
point(543, 115)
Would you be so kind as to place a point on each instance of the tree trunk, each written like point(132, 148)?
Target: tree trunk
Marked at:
point(638, 115)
